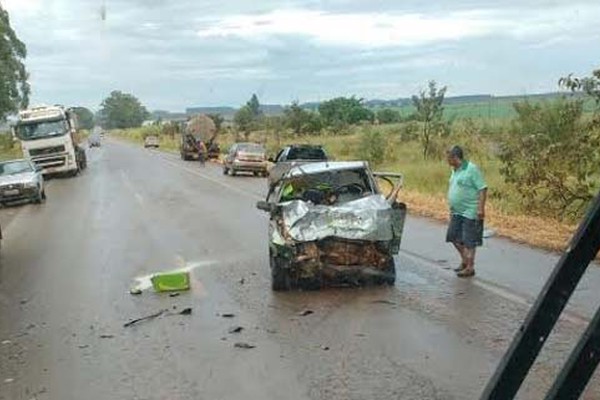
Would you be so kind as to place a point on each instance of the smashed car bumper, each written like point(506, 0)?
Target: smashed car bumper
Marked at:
point(352, 243)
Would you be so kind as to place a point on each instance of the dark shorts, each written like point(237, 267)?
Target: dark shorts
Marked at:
point(465, 231)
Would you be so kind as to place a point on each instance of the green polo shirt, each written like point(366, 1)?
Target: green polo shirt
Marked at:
point(463, 192)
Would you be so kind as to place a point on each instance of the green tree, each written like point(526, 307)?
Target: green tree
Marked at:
point(429, 112)
point(122, 110)
point(218, 120)
point(589, 85)
point(300, 120)
point(85, 117)
point(343, 111)
point(244, 120)
point(372, 146)
point(551, 157)
point(388, 116)
point(254, 105)
point(14, 88)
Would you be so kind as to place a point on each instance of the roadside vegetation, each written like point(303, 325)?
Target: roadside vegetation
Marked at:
point(540, 162)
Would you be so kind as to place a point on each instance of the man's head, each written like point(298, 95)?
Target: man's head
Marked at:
point(455, 156)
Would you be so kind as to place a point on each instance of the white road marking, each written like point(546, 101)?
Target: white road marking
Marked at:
point(139, 198)
point(504, 293)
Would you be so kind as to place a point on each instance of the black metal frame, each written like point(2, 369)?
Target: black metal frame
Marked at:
point(544, 314)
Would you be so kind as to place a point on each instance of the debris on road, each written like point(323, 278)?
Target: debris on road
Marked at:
point(107, 336)
point(171, 281)
point(228, 315)
point(305, 313)
point(243, 345)
point(4, 342)
point(135, 291)
point(24, 301)
point(83, 346)
point(186, 311)
point(242, 281)
point(235, 329)
point(147, 317)
point(325, 348)
point(9, 380)
point(174, 294)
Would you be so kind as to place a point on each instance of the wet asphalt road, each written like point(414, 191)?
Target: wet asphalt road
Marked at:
point(66, 268)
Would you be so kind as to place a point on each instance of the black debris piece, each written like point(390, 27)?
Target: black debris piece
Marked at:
point(243, 345)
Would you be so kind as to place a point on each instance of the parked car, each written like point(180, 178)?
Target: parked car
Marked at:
point(21, 180)
point(293, 155)
point(94, 140)
point(330, 223)
point(151, 141)
point(246, 157)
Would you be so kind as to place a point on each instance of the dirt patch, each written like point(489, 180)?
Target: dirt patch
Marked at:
point(535, 231)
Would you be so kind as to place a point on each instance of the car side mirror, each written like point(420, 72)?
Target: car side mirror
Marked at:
point(266, 206)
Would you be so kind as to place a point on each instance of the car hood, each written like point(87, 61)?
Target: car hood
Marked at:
point(370, 218)
point(17, 178)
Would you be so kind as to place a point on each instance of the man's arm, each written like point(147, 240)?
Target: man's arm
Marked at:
point(481, 203)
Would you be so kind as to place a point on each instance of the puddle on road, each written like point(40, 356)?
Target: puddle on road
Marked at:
point(410, 278)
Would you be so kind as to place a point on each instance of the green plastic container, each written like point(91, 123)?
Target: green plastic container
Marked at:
point(171, 281)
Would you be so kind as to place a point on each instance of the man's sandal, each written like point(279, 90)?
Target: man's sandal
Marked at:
point(460, 268)
point(466, 273)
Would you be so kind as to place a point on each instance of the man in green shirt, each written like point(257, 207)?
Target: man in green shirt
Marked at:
point(467, 193)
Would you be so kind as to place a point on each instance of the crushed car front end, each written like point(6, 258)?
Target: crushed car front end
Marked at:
point(314, 243)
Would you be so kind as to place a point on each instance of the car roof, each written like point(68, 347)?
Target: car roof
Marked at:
point(324, 166)
point(305, 146)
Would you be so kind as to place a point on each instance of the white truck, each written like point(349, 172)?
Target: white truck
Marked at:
point(50, 139)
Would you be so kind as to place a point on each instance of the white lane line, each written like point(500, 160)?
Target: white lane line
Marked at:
point(491, 287)
point(138, 197)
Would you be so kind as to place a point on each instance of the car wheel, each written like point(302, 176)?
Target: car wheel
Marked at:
point(390, 273)
point(280, 276)
point(225, 171)
point(40, 197)
point(233, 172)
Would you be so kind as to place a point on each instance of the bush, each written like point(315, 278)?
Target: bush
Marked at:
point(372, 147)
point(552, 158)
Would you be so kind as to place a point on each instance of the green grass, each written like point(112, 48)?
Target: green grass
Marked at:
point(9, 149)
point(488, 110)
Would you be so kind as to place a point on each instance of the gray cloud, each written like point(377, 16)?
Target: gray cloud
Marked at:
point(173, 54)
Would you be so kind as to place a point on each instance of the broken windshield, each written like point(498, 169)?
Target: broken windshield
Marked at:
point(328, 187)
point(41, 130)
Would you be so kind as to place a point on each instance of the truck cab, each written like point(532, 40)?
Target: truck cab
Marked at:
point(49, 138)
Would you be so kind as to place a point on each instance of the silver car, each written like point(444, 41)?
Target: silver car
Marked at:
point(21, 180)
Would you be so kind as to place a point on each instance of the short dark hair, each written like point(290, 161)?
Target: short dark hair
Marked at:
point(456, 151)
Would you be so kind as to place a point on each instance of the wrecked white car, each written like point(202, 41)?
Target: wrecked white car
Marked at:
point(331, 224)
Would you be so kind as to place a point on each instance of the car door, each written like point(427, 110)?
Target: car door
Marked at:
point(280, 166)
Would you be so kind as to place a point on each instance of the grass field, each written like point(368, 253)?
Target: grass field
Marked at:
point(489, 110)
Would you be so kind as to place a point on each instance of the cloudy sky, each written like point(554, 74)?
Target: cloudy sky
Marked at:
point(178, 53)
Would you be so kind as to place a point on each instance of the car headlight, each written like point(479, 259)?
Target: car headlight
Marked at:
point(30, 184)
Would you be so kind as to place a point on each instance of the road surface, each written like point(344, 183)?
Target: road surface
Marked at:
point(66, 268)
